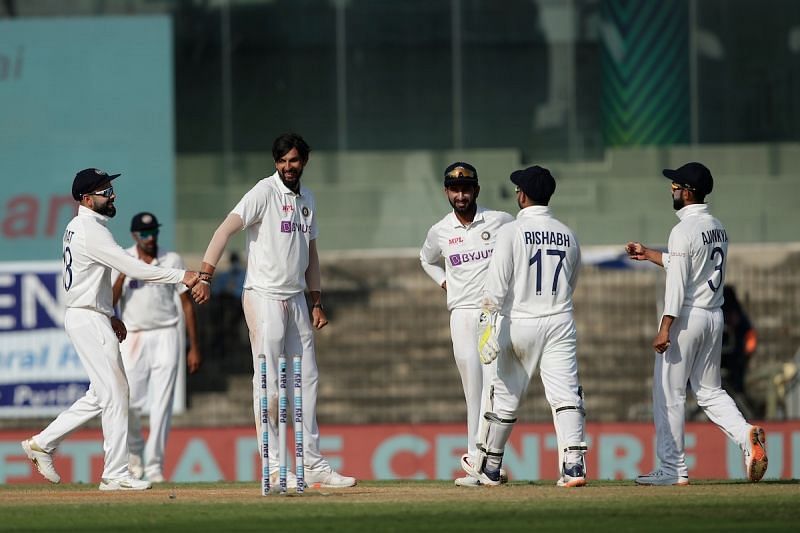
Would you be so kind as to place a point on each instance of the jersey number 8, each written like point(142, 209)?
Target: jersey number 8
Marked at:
point(67, 268)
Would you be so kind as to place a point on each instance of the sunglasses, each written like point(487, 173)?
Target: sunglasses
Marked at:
point(678, 187)
point(105, 192)
point(517, 189)
point(147, 233)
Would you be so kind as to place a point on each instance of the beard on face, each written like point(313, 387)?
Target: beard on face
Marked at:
point(467, 209)
point(293, 186)
point(678, 203)
point(107, 209)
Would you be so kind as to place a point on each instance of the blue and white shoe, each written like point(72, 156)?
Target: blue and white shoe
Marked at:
point(574, 476)
point(490, 479)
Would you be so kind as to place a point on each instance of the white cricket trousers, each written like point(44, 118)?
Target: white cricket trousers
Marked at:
point(475, 376)
point(550, 343)
point(694, 357)
point(98, 349)
point(283, 327)
point(151, 360)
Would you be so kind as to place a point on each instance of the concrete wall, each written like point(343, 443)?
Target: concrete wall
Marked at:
point(389, 199)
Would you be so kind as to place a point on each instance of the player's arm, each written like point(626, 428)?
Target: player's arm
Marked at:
point(675, 287)
point(116, 289)
point(639, 252)
point(500, 271)
point(429, 256)
point(193, 358)
point(101, 247)
point(232, 224)
point(314, 283)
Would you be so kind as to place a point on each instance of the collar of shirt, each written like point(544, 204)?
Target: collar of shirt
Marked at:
point(534, 211)
point(478, 218)
point(283, 188)
point(692, 209)
point(86, 212)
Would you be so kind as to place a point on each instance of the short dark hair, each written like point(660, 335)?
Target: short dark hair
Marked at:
point(284, 144)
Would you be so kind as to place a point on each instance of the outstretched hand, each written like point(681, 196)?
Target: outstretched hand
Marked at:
point(190, 278)
point(636, 251)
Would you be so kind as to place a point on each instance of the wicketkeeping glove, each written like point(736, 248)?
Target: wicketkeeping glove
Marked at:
point(488, 347)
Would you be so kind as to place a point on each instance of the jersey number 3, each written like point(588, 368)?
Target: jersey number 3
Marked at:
point(718, 267)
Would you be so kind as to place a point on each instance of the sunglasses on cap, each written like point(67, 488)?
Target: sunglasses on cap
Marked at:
point(147, 233)
point(105, 192)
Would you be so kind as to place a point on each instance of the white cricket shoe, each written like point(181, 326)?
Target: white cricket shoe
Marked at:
point(135, 466)
point(491, 479)
point(466, 459)
point(42, 460)
point(574, 476)
point(275, 482)
point(755, 455)
point(659, 477)
point(328, 478)
point(124, 483)
point(467, 481)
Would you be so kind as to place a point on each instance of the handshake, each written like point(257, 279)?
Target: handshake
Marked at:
point(200, 283)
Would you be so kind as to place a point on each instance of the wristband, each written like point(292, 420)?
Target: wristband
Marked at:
point(204, 281)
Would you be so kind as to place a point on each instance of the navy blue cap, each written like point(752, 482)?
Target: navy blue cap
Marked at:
point(460, 173)
point(536, 182)
point(88, 180)
point(144, 221)
point(694, 176)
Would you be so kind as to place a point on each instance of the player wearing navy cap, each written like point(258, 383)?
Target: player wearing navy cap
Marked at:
point(152, 352)
point(89, 254)
point(531, 278)
point(465, 238)
point(689, 339)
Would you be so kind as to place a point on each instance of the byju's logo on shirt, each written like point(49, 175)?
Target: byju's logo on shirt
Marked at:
point(469, 257)
point(288, 226)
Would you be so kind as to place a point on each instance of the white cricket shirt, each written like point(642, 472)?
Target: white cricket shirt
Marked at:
point(90, 253)
point(279, 226)
point(143, 305)
point(466, 251)
point(534, 269)
point(695, 261)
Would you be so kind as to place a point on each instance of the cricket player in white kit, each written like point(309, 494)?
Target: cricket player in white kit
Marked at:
point(279, 216)
point(689, 340)
point(151, 353)
point(465, 239)
point(89, 254)
point(531, 278)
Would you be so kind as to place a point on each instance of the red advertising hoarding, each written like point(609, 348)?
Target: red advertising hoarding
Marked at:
point(424, 451)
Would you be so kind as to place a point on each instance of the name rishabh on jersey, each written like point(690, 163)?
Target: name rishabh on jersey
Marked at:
point(534, 270)
point(696, 261)
point(466, 250)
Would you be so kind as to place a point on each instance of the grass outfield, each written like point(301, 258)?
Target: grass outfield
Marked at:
point(408, 506)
